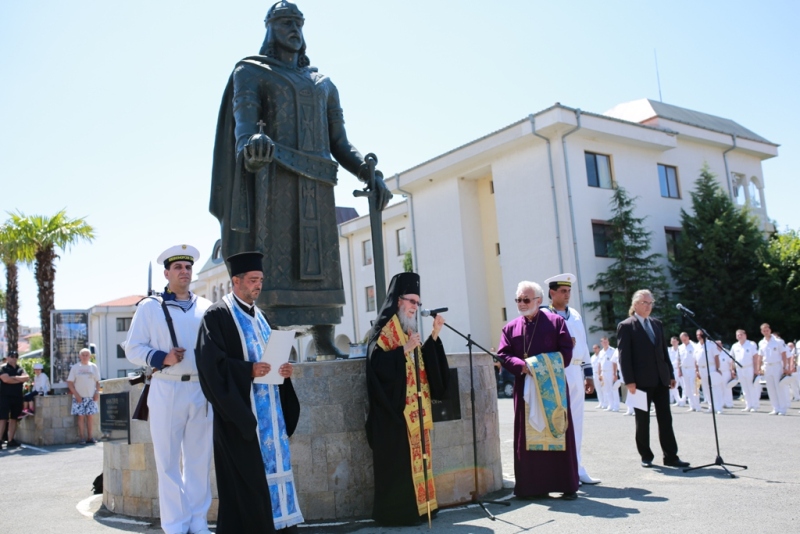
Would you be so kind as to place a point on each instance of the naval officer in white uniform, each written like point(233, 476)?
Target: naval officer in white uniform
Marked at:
point(180, 418)
point(773, 353)
point(746, 353)
point(710, 377)
point(560, 290)
point(675, 358)
point(687, 373)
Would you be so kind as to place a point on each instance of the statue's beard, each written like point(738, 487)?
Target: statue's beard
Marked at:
point(408, 323)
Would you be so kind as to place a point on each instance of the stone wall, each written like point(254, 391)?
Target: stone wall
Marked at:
point(53, 424)
point(331, 459)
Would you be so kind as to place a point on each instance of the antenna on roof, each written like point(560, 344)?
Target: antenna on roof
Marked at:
point(658, 78)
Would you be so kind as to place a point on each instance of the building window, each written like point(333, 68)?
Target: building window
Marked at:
point(120, 351)
point(123, 324)
point(370, 292)
point(607, 311)
point(497, 248)
point(491, 186)
point(505, 315)
point(668, 181)
point(366, 249)
point(402, 241)
point(598, 170)
point(123, 373)
point(672, 235)
point(739, 188)
point(603, 235)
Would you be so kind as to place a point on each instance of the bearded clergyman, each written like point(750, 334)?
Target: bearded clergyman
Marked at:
point(403, 375)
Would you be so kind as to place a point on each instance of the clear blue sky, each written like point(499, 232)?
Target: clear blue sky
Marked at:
point(108, 108)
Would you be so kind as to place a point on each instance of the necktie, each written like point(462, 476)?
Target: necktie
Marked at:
point(649, 330)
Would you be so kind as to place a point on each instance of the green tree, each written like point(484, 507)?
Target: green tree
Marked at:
point(634, 268)
point(717, 267)
point(12, 253)
point(779, 288)
point(42, 236)
point(408, 262)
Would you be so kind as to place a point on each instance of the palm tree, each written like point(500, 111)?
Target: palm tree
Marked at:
point(12, 253)
point(40, 236)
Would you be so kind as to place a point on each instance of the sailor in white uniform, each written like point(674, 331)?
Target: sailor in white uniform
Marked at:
point(609, 367)
point(711, 378)
point(746, 353)
point(181, 420)
point(560, 290)
point(675, 358)
point(773, 353)
point(598, 387)
point(687, 373)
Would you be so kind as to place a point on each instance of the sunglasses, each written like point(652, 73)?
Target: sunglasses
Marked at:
point(416, 303)
point(526, 300)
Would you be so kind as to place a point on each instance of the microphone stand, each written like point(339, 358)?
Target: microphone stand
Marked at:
point(475, 494)
point(718, 461)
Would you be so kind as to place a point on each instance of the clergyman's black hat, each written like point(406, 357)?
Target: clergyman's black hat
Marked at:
point(244, 262)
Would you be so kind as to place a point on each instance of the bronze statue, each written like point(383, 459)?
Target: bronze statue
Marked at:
point(272, 180)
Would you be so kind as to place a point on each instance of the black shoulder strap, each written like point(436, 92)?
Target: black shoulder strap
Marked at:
point(169, 324)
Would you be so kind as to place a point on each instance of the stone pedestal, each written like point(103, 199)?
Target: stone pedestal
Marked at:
point(331, 459)
point(53, 424)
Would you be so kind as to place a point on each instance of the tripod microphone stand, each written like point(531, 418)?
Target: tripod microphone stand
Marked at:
point(718, 461)
point(475, 493)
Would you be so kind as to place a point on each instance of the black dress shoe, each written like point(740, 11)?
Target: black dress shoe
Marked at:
point(677, 462)
point(534, 497)
point(647, 463)
point(571, 496)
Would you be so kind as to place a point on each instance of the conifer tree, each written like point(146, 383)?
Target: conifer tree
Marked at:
point(634, 268)
point(717, 266)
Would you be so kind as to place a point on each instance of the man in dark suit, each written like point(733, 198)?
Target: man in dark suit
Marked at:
point(645, 366)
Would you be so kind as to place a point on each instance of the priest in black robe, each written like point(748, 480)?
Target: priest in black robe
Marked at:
point(400, 371)
point(257, 493)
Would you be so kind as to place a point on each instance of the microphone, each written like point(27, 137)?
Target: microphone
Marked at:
point(432, 313)
point(684, 309)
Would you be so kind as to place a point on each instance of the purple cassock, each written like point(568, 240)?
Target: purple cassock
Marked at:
point(538, 472)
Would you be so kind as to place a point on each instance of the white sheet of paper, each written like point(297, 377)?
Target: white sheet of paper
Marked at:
point(637, 400)
point(279, 347)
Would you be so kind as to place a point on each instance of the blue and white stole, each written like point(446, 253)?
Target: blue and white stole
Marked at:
point(272, 437)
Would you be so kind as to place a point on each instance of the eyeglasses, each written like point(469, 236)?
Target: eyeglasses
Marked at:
point(416, 303)
point(526, 300)
point(646, 303)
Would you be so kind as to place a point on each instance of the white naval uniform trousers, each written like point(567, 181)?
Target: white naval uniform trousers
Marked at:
point(575, 379)
point(715, 387)
point(688, 377)
point(181, 420)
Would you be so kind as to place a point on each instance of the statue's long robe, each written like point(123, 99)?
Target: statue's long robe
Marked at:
point(287, 209)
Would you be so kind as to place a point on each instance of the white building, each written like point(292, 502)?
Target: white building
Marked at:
point(529, 201)
point(108, 327)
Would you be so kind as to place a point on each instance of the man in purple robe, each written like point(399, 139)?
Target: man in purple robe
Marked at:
point(536, 332)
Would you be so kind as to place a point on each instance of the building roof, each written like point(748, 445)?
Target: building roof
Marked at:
point(122, 302)
point(345, 214)
point(645, 109)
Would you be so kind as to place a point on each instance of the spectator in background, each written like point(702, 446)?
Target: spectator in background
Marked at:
point(83, 382)
point(12, 377)
point(41, 386)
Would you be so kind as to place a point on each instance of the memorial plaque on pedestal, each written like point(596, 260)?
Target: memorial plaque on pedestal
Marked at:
point(115, 413)
point(449, 408)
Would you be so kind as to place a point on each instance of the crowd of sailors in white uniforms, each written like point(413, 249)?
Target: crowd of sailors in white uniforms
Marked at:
point(772, 363)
